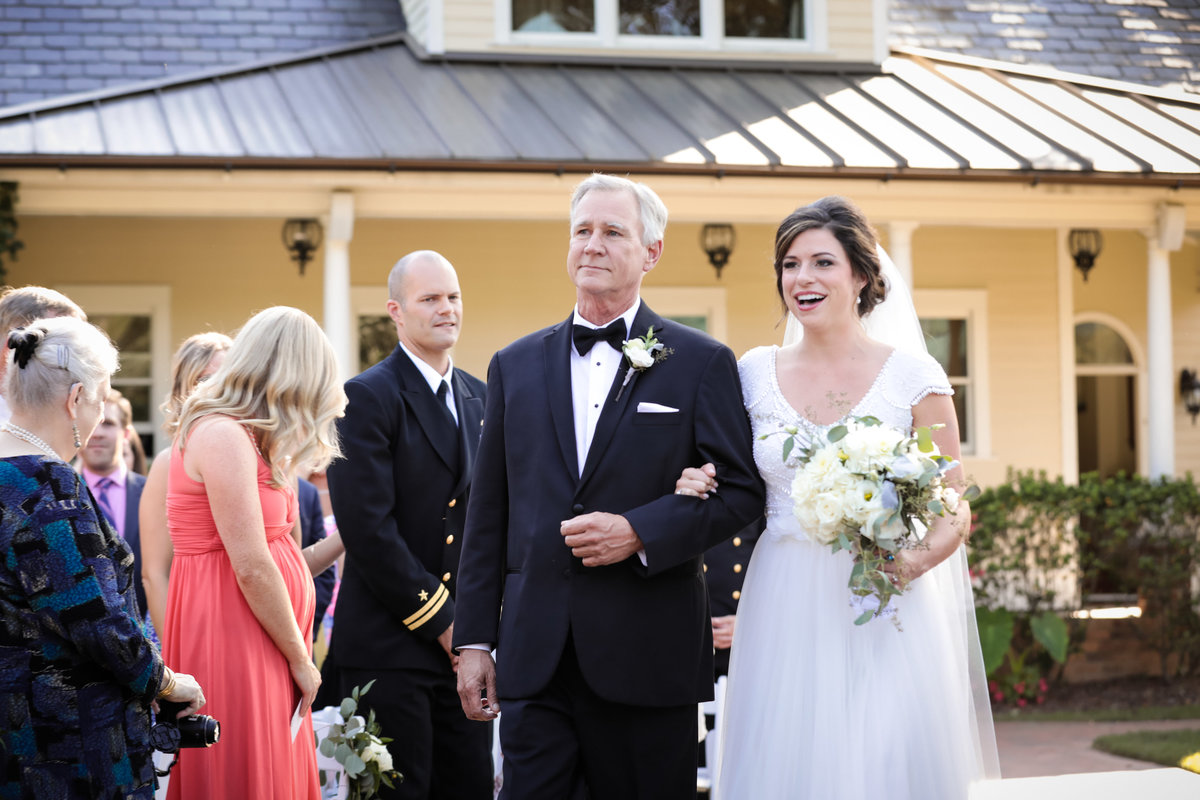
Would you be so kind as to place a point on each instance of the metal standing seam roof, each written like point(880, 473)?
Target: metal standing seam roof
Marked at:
point(377, 105)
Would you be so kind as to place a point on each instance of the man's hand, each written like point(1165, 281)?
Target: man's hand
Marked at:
point(600, 539)
point(444, 639)
point(723, 631)
point(477, 685)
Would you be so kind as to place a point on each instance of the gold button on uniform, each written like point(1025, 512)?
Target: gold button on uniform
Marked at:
point(737, 541)
point(737, 567)
point(446, 577)
point(706, 567)
point(736, 594)
point(450, 539)
point(453, 503)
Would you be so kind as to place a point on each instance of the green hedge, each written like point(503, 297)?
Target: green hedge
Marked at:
point(1125, 534)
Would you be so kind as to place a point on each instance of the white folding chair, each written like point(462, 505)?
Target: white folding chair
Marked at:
point(706, 776)
point(333, 770)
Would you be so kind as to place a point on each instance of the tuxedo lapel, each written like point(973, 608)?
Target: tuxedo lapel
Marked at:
point(556, 351)
point(618, 397)
point(425, 407)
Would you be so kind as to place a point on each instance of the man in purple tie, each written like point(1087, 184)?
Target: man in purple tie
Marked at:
point(117, 490)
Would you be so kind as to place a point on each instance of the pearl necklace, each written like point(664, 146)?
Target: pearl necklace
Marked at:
point(26, 436)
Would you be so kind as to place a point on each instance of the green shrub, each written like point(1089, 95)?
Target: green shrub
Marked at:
point(1034, 538)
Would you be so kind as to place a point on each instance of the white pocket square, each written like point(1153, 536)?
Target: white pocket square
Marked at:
point(655, 408)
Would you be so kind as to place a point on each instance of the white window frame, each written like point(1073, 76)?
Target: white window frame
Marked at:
point(971, 305)
point(690, 301)
point(711, 38)
point(148, 300)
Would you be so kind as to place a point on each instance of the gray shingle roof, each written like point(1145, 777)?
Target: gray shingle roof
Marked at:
point(1153, 42)
point(377, 105)
point(50, 48)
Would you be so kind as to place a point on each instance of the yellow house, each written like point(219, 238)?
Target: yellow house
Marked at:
point(161, 207)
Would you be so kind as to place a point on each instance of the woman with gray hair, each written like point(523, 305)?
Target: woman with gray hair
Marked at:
point(78, 677)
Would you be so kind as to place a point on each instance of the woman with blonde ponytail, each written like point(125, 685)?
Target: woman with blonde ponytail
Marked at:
point(240, 602)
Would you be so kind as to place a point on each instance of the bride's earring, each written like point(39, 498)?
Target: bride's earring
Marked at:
point(75, 431)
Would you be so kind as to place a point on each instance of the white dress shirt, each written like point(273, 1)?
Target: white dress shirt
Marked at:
point(434, 379)
point(592, 377)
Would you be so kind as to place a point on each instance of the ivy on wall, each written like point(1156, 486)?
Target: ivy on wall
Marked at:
point(9, 243)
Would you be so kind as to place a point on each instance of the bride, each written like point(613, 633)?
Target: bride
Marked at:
point(818, 708)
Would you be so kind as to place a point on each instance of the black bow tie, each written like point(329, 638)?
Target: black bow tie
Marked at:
point(584, 337)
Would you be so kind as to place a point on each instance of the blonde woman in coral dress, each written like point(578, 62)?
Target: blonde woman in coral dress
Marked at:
point(240, 602)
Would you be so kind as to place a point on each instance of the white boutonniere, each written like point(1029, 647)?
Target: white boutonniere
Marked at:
point(642, 353)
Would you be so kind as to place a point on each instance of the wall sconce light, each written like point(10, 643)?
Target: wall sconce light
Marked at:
point(717, 240)
point(302, 237)
point(1085, 244)
point(1189, 389)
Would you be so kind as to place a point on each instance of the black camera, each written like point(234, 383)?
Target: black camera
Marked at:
point(170, 734)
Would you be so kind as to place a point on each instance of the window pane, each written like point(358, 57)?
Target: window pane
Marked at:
point(376, 339)
point(765, 19)
point(1096, 343)
point(138, 397)
point(670, 18)
point(553, 16)
point(129, 332)
point(962, 409)
point(947, 342)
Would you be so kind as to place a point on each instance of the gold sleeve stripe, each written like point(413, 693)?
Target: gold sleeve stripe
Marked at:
point(429, 610)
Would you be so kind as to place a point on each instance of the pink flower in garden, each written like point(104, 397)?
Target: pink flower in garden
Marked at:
point(1021, 702)
point(1042, 686)
point(1020, 688)
point(998, 697)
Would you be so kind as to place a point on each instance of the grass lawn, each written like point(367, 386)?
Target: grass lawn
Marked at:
point(1102, 714)
point(1171, 748)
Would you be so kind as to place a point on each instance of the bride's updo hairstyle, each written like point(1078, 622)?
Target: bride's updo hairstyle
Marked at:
point(280, 380)
point(50, 355)
point(845, 221)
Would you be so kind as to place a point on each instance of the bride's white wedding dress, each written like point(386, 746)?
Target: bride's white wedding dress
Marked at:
point(818, 708)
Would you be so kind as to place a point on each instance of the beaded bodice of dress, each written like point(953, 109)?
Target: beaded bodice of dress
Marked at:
point(902, 382)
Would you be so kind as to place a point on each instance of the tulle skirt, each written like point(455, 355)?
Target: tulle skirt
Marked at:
point(820, 709)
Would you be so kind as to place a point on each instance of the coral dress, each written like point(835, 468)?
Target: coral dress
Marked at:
point(211, 633)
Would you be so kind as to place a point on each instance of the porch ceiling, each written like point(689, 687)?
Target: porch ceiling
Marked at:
point(379, 106)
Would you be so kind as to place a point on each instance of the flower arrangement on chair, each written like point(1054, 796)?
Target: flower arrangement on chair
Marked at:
point(357, 744)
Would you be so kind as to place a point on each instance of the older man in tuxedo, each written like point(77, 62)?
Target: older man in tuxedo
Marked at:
point(409, 435)
point(604, 646)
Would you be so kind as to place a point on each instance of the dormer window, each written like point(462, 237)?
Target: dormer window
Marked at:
point(669, 24)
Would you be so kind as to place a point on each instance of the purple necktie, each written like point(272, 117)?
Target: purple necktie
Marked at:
point(102, 486)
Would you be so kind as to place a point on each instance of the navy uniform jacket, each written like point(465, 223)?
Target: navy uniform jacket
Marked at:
point(725, 570)
point(641, 633)
point(400, 499)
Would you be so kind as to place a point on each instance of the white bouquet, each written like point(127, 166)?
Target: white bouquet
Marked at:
point(871, 489)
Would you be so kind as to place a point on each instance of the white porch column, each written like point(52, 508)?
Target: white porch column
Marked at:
point(339, 322)
point(899, 247)
point(1160, 377)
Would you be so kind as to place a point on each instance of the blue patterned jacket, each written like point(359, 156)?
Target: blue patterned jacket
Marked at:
point(77, 673)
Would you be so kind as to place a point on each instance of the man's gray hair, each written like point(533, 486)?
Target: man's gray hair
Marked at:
point(651, 211)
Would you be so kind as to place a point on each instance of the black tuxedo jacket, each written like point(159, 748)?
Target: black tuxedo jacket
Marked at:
point(133, 531)
point(641, 633)
point(400, 498)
